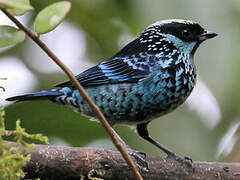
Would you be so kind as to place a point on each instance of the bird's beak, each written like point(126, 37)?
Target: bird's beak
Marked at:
point(207, 35)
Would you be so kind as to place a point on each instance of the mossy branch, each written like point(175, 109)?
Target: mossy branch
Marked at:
point(58, 162)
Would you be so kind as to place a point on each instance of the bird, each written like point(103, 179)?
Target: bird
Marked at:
point(148, 78)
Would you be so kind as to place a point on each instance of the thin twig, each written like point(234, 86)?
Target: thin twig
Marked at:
point(84, 94)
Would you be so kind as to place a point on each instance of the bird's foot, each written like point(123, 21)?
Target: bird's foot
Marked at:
point(142, 154)
point(189, 159)
point(140, 158)
point(184, 161)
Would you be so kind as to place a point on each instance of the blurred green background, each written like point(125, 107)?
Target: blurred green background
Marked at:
point(96, 29)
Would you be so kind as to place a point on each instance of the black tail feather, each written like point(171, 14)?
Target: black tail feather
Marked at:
point(36, 96)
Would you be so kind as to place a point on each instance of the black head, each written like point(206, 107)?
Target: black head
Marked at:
point(187, 31)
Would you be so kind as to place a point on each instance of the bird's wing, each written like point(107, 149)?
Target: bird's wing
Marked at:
point(117, 70)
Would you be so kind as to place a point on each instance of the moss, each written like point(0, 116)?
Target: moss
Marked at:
point(13, 158)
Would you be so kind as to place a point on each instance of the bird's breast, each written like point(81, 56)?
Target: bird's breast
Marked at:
point(161, 93)
point(172, 86)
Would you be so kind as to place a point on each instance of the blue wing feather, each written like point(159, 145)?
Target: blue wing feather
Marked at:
point(116, 70)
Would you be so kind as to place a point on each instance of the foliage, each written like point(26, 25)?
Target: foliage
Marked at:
point(18, 11)
point(18, 5)
point(51, 16)
point(47, 20)
point(10, 36)
point(13, 158)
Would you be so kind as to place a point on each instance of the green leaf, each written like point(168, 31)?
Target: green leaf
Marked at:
point(10, 36)
point(51, 16)
point(19, 12)
point(16, 4)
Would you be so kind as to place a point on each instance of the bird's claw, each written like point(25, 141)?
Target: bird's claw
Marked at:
point(140, 158)
point(188, 159)
point(143, 154)
point(185, 161)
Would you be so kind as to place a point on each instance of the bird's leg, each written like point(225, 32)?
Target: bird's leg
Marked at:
point(137, 155)
point(143, 132)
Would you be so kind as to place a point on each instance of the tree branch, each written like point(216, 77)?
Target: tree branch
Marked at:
point(58, 162)
point(115, 139)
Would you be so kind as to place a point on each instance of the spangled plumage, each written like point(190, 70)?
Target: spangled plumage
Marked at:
point(149, 77)
point(116, 70)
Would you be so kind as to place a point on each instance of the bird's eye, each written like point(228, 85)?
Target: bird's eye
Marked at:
point(186, 33)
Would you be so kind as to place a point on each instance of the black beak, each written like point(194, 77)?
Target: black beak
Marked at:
point(207, 35)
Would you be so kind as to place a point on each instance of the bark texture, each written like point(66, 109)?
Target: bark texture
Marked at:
point(57, 162)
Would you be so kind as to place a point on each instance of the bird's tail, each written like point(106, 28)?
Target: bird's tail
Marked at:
point(36, 96)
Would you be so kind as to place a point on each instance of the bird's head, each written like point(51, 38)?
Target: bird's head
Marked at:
point(168, 35)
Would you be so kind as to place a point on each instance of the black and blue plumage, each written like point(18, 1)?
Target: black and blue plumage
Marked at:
point(149, 77)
